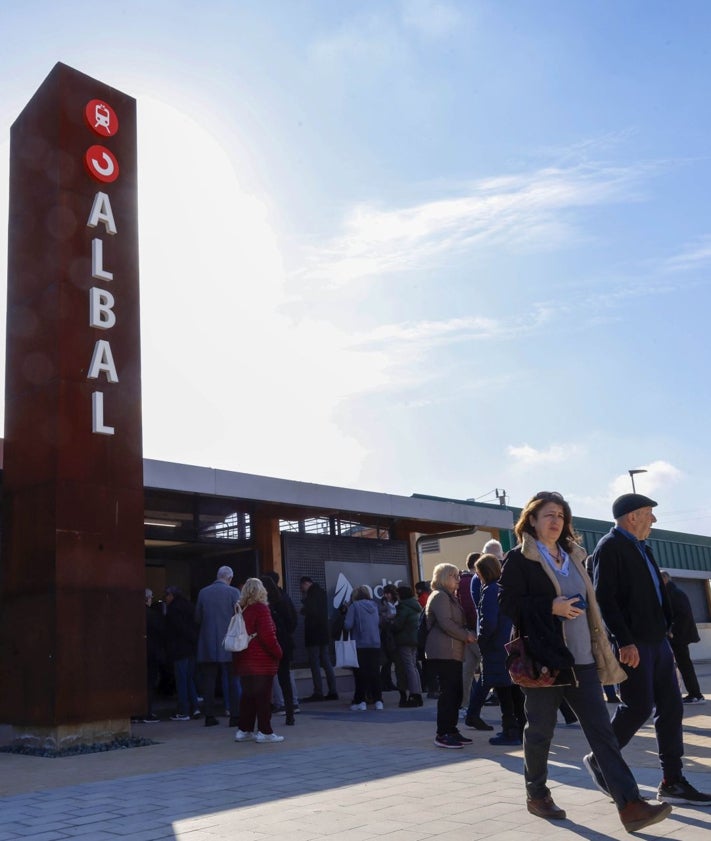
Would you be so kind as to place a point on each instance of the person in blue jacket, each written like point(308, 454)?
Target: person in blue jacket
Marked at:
point(494, 631)
point(363, 621)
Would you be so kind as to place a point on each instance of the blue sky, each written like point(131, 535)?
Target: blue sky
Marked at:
point(418, 246)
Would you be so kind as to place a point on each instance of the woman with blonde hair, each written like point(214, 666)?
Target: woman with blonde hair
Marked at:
point(256, 666)
point(447, 635)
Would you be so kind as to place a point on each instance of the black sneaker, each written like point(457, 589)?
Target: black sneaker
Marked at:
point(311, 698)
point(510, 739)
point(448, 741)
point(477, 723)
point(332, 696)
point(590, 763)
point(682, 792)
point(463, 739)
point(151, 719)
point(694, 699)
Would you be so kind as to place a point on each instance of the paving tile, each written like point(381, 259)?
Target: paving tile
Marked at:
point(334, 779)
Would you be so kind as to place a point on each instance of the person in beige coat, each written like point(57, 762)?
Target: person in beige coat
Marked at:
point(447, 635)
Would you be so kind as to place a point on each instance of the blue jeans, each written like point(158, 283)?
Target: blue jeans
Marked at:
point(184, 670)
point(588, 704)
point(477, 696)
point(653, 687)
point(231, 689)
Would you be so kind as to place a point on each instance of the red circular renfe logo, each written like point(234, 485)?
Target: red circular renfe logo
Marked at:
point(101, 163)
point(101, 118)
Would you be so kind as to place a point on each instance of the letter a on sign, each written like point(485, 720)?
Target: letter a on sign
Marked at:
point(101, 212)
point(102, 360)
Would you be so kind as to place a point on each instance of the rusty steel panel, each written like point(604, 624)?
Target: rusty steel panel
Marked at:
point(71, 581)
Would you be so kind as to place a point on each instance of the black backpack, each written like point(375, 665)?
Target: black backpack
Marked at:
point(422, 631)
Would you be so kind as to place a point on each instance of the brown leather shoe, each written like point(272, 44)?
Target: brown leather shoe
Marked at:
point(638, 814)
point(544, 807)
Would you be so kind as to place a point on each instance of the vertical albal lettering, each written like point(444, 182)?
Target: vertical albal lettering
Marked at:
point(101, 313)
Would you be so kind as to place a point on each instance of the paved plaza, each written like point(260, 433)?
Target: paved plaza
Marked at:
point(339, 775)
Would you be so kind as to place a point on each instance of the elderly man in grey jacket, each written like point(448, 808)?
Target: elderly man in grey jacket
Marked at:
point(213, 612)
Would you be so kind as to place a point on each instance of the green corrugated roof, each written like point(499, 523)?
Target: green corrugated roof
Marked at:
point(672, 549)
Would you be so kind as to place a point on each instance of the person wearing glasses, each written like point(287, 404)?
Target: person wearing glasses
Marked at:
point(549, 596)
point(447, 635)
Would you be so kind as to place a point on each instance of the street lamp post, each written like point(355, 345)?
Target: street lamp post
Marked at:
point(632, 475)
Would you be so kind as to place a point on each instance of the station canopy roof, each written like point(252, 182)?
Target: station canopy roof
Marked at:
point(287, 499)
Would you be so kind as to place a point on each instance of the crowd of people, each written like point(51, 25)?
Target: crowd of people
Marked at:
point(608, 627)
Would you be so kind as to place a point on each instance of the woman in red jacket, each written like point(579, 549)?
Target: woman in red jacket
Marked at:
point(257, 665)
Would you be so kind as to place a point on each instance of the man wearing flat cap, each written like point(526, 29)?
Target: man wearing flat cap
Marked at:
point(637, 612)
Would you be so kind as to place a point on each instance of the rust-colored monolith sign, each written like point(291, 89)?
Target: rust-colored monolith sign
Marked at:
point(72, 570)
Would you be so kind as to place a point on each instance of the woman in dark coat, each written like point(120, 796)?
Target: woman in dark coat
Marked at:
point(257, 665)
point(181, 633)
point(285, 621)
point(493, 633)
point(549, 596)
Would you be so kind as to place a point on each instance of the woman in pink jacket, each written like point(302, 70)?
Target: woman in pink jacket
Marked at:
point(256, 666)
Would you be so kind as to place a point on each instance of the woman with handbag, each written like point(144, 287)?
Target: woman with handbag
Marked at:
point(363, 621)
point(549, 596)
point(256, 665)
point(447, 635)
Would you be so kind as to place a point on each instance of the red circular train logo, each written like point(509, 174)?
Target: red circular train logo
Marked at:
point(101, 118)
point(101, 163)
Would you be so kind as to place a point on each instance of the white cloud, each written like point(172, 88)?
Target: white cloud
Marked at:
point(695, 255)
point(658, 476)
point(530, 210)
point(431, 18)
point(527, 456)
point(430, 333)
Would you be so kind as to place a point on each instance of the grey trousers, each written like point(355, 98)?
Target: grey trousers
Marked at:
point(587, 702)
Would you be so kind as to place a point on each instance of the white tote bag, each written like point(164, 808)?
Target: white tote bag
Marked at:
point(346, 652)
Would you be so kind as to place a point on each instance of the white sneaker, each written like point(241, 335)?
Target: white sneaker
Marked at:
point(379, 705)
point(359, 708)
point(241, 736)
point(268, 737)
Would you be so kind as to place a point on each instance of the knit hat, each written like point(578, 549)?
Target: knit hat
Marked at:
point(627, 503)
